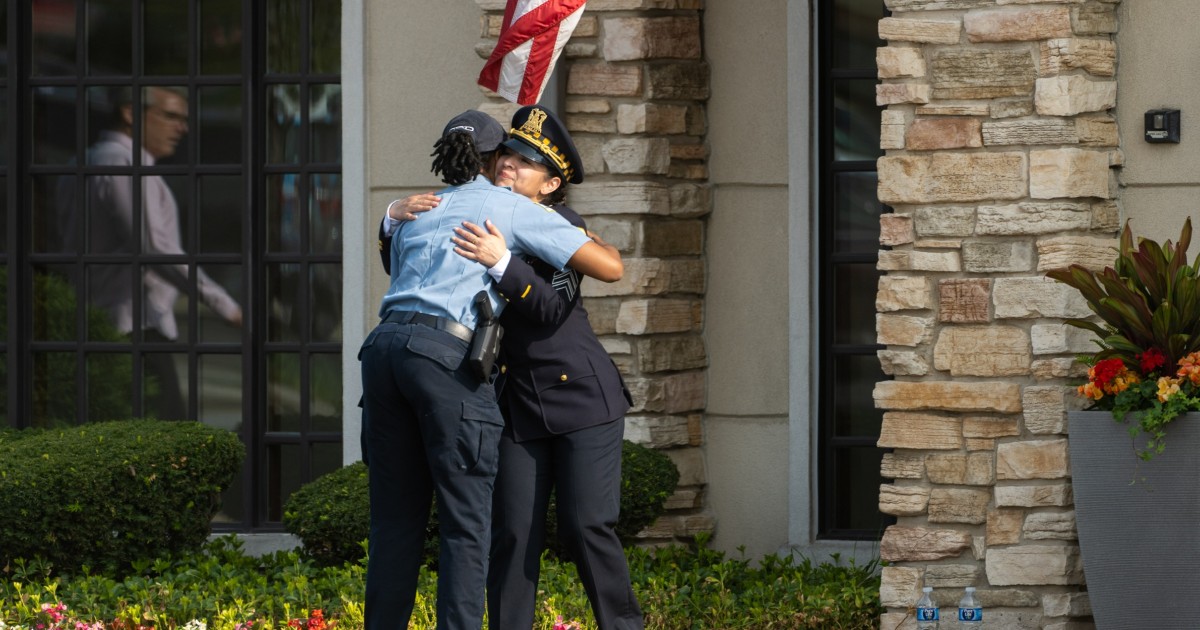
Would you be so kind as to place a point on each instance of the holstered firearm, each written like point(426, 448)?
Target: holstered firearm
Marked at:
point(485, 345)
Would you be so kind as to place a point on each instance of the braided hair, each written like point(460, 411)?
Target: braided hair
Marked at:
point(456, 159)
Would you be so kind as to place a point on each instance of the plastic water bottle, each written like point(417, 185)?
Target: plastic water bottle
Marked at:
point(970, 613)
point(927, 611)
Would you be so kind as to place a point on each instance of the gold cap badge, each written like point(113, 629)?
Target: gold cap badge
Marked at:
point(533, 124)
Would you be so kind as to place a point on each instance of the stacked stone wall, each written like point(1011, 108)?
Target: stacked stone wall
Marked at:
point(636, 86)
point(1000, 149)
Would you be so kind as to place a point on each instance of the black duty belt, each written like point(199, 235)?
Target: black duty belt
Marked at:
point(433, 321)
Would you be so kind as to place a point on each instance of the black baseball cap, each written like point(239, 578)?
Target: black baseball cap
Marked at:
point(487, 133)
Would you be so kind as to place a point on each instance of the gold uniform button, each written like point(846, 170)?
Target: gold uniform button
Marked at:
point(503, 369)
point(563, 378)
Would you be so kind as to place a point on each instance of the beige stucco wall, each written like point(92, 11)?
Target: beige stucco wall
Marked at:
point(1157, 47)
point(409, 96)
point(746, 310)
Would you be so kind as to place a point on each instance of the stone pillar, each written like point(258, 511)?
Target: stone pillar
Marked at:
point(636, 86)
point(1000, 144)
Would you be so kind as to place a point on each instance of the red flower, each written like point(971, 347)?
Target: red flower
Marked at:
point(1151, 360)
point(1105, 371)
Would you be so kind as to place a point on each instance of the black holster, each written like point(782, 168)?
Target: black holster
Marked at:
point(485, 345)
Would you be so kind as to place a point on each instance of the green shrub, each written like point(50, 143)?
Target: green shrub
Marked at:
point(331, 515)
point(103, 495)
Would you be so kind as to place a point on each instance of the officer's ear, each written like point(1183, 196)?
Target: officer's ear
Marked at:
point(551, 184)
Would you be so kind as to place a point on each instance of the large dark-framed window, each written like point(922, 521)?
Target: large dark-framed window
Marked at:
point(176, 253)
point(848, 245)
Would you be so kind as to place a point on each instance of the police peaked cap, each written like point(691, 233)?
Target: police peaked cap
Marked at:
point(538, 135)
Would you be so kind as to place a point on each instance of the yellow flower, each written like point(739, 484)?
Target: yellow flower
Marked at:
point(1167, 387)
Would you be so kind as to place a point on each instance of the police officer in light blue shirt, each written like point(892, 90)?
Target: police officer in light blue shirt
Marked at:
point(430, 425)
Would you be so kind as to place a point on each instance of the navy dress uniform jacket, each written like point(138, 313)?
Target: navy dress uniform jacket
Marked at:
point(555, 377)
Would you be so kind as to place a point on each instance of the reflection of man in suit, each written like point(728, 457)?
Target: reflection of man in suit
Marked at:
point(110, 214)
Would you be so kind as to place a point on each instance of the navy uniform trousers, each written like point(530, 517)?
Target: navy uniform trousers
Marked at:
point(564, 404)
point(429, 426)
point(584, 469)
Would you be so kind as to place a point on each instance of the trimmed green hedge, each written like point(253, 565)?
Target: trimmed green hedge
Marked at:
point(104, 495)
point(332, 517)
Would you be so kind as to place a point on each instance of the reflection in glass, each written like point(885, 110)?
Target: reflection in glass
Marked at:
point(856, 24)
point(854, 378)
point(325, 214)
point(222, 213)
point(3, 376)
point(858, 468)
point(858, 209)
point(109, 40)
point(281, 479)
point(54, 383)
point(231, 510)
point(3, 127)
point(220, 122)
point(283, 391)
point(102, 113)
point(325, 392)
point(166, 41)
point(283, 218)
point(325, 123)
point(3, 71)
point(284, 302)
point(109, 315)
point(53, 219)
point(856, 120)
point(326, 456)
point(213, 325)
point(326, 25)
point(109, 386)
point(166, 302)
point(53, 124)
point(220, 398)
point(53, 44)
point(854, 303)
point(283, 124)
point(106, 227)
point(54, 305)
point(283, 36)
point(164, 383)
point(159, 236)
point(325, 302)
point(221, 37)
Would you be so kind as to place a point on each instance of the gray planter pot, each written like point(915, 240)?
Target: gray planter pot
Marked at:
point(1141, 552)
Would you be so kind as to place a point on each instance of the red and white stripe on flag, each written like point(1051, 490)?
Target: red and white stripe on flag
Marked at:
point(531, 38)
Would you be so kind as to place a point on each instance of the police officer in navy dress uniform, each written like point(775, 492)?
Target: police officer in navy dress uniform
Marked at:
point(430, 424)
point(564, 403)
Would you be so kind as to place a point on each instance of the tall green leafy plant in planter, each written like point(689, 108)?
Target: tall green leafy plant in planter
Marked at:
point(1148, 366)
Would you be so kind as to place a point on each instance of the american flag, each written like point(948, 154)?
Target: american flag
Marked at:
point(531, 38)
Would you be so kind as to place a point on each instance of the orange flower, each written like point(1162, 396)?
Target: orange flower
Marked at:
point(1189, 368)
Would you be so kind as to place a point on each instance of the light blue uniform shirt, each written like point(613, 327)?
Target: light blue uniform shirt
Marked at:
point(428, 277)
